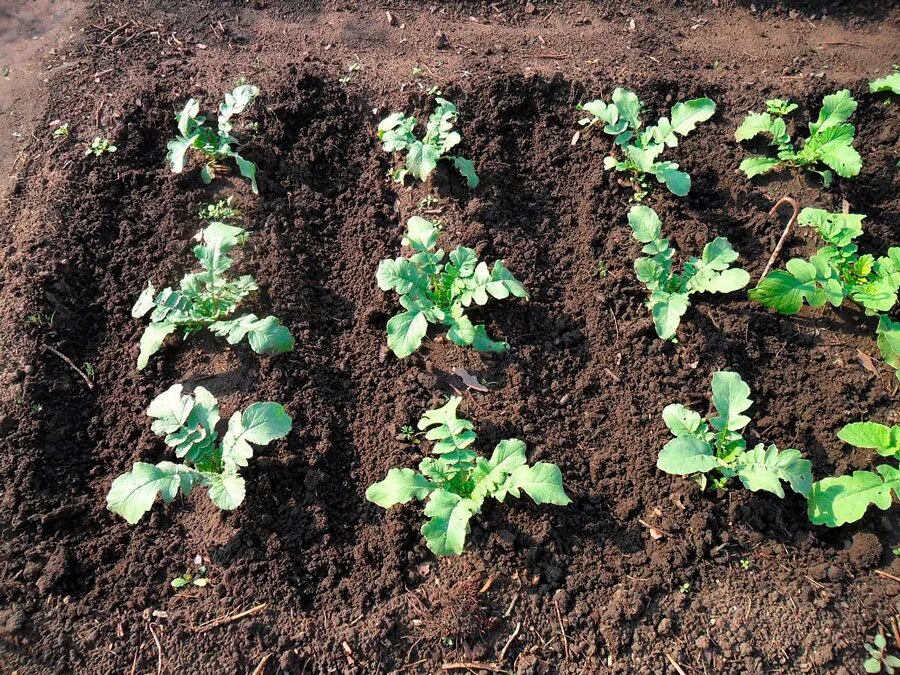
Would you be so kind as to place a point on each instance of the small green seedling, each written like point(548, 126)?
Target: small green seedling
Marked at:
point(407, 433)
point(716, 448)
point(641, 149)
point(396, 135)
point(845, 499)
point(878, 656)
point(434, 291)
point(62, 131)
point(100, 146)
point(195, 579)
point(427, 201)
point(830, 139)
point(835, 273)
point(888, 83)
point(206, 299)
point(354, 67)
point(89, 369)
point(221, 211)
point(685, 588)
point(188, 424)
point(670, 292)
point(212, 146)
point(601, 269)
point(41, 320)
point(456, 482)
point(888, 340)
point(896, 550)
point(745, 564)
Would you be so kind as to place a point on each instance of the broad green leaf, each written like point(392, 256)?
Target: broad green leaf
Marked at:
point(727, 281)
point(132, 494)
point(266, 336)
point(845, 499)
point(688, 114)
point(238, 100)
point(503, 283)
point(834, 147)
point(151, 341)
point(405, 333)
point(422, 159)
point(628, 105)
point(466, 168)
point(445, 532)
point(443, 425)
point(490, 479)
point(684, 455)
point(399, 275)
point(226, 490)
point(778, 106)
point(678, 182)
point(460, 329)
point(755, 166)
point(483, 343)
point(421, 235)
point(879, 437)
point(888, 333)
point(187, 115)
point(464, 260)
point(786, 291)
point(399, 487)
point(144, 302)
point(177, 149)
point(836, 109)
point(764, 469)
point(753, 125)
point(667, 310)
point(645, 223)
point(542, 482)
point(247, 170)
point(260, 424)
point(731, 397)
point(390, 122)
point(644, 158)
point(838, 229)
point(889, 83)
point(682, 421)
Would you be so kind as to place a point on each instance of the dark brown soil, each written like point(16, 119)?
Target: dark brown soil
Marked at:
point(347, 587)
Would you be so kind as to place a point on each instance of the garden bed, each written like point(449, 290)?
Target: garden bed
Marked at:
point(642, 571)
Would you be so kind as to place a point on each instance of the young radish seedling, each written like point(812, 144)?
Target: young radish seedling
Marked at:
point(188, 424)
point(206, 299)
point(396, 134)
point(888, 83)
point(213, 146)
point(844, 499)
point(99, 146)
point(715, 450)
point(641, 149)
point(457, 480)
point(434, 291)
point(830, 139)
point(670, 292)
point(835, 273)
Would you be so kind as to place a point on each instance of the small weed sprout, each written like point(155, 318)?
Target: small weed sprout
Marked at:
point(685, 588)
point(89, 369)
point(745, 564)
point(197, 578)
point(354, 67)
point(100, 146)
point(601, 269)
point(221, 211)
point(212, 146)
point(427, 201)
point(878, 657)
point(62, 131)
point(41, 320)
point(407, 433)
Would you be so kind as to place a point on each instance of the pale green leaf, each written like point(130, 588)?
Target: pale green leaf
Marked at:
point(399, 487)
point(688, 114)
point(836, 109)
point(764, 469)
point(542, 482)
point(682, 421)
point(421, 235)
point(466, 168)
point(889, 83)
point(685, 455)
point(151, 341)
point(845, 499)
point(731, 397)
point(226, 490)
point(445, 532)
point(405, 332)
point(132, 494)
point(755, 166)
point(879, 437)
point(144, 302)
point(667, 310)
point(260, 424)
point(786, 291)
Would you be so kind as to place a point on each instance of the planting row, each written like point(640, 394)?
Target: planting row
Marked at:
point(435, 287)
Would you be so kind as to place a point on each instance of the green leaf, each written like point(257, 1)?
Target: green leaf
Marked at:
point(132, 494)
point(400, 275)
point(645, 223)
point(678, 182)
point(503, 283)
point(688, 114)
point(836, 109)
point(422, 159)
point(405, 333)
point(542, 482)
point(266, 336)
point(888, 333)
point(786, 291)
point(682, 421)
point(226, 490)
point(764, 469)
point(684, 455)
point(872, 665)
point(845, 499)
point(260, 424)
point(755, 166)
point(838, 229)
point(731, 397)
point(151, 341)
point(443, 425)
point(628, 105)
point(399, 487)
point(187, 115)
point(144, 302)
point(248, 170)
point(753, 125)
point(667, 310)
point(483, 343)
point(872, 435)
point(421, 235)
point(445, 533)
point(833, 146)
point(466, 168)
point(889, 83)
point(491, 478)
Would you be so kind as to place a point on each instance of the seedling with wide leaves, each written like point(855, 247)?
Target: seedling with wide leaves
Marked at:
point(207, 299)
point(433, 290)
point(641, 148)
point(830, 141)
point(188, 425)
point(212, 146)
point(397, 134)
point(845, 499)
point(669, 291)
point(456, 482)
point(714, 451)
point(835, 273)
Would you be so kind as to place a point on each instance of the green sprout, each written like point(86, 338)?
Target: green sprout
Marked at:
point(100, 146)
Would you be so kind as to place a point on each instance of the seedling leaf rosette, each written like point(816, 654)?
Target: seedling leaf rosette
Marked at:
point(641, 149)
point(188, 425)
point(456, 481)
point(433, 290)
point(716, 448)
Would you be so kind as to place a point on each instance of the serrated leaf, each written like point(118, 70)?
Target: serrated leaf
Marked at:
point(731, 397)
point(132, 494)
point(889, 83)
point(248, 170)
point(422, 159)
point(833, 146)
point(835, 501)
point(260, 424)
point(682, 421)
point(753, 125)
point(542, 482)
point(786, 291)
point(836, 109)
point(445, 533)
point(226, 490)
point(688, 114)
point(399, 487)
point(667, 310)
point(466, 168)
point(872, 435)
point(482, 342)
point(755, 166)
point(764, 469)
point(266, 336)
point(838, 229)
point(685, 455)
point(421, 235)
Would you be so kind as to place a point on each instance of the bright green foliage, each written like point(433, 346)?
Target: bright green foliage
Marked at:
point(717, 446)
point(844, 499)
point(889, 83)
point(835, 272)
point(456, 481)
point(99, 146)
point(206, 299)
point(221, 211)
point(396, 133)
point(62, 131)
point(888, 333)
point(188, 425)
point(198, 579)
point(641, 149)
point(878, 656)
point(830, 139)
point(213, 146)
point(434, 291)
point(669, 292)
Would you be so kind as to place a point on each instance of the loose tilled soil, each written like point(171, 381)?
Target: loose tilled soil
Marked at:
point(642, 573)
